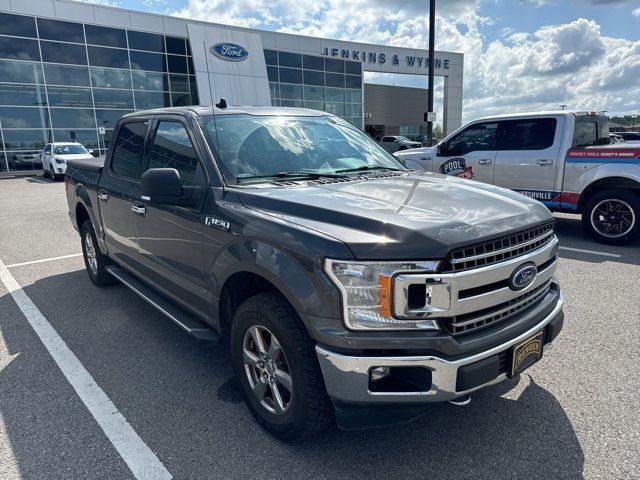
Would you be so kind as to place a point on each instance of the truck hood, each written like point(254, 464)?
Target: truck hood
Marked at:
point(418, 215)
point(426, 151)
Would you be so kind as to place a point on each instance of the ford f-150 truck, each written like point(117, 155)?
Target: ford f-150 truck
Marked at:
point(563, 159)
point(349, 287)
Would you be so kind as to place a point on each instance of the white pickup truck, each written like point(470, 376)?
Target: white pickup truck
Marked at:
point(563, 159)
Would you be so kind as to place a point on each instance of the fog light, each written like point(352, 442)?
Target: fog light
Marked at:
point(379, 373)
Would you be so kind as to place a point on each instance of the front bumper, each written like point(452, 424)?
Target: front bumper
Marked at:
point(347, 377)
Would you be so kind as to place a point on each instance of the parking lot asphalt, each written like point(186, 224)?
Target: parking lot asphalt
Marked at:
point(575, 414)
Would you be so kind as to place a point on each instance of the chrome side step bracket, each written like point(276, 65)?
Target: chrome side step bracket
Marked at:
point(185, 321)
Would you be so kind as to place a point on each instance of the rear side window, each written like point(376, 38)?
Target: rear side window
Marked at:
point(172, 148)
point(127, 150)
point(590, 130)
point(527, 134)
point(388, 139)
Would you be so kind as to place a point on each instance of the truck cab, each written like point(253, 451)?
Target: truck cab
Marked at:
point(563, 159)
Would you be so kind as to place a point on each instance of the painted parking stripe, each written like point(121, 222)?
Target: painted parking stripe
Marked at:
point(51, 259)
point(591, 252)
point(142, 462)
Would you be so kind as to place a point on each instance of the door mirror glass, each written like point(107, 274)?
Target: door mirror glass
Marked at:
point(162, 186)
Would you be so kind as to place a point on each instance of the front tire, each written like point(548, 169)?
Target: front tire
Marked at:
point(612, 216)
point(52, 172)
point(94, 260)
point(276, 364)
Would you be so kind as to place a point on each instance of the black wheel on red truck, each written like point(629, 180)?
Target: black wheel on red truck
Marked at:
point(94, 260)
point(276, 364)
point(612, 216)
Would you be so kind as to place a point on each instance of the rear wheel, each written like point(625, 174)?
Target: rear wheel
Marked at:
point(612, 216)
point(94, 260)
point(275, 362)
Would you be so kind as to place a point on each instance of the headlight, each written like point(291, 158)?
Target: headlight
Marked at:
point(59, 161)
point(367, 293)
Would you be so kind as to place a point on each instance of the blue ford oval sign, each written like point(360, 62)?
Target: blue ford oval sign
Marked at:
point(523, 276)
point(230, 51)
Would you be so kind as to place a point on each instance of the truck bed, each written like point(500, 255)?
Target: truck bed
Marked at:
point(93, 165)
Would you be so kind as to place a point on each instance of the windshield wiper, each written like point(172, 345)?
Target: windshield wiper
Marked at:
point(300, 175)
point(364, 168)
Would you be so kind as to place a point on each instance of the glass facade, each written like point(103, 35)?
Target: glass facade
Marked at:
point(60, 81)
point(327, 84)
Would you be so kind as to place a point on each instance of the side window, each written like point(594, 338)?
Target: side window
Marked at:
point(127, 150)
point(387, 139)
point(172, 148)
point(475, 138)
point(590, 130)
point(47, 149)
point(527, 134)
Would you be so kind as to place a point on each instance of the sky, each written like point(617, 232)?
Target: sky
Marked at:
point(520, 55)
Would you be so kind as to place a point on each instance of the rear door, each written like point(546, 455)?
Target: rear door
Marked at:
point(170, 237)
point(528, 153)
point(119, 187)
point(470, 153)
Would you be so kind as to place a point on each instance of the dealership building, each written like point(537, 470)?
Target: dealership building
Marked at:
point(69, 70)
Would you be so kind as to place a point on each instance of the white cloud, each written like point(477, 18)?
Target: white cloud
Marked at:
point(636, 12)
point(573, 63)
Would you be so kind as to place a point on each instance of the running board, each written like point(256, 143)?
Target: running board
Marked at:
point(185, 321)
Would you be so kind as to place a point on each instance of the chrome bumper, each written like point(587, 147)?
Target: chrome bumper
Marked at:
point(347, 377)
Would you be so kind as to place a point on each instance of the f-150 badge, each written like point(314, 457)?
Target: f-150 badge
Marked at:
point(217, 223)
point(457, 167)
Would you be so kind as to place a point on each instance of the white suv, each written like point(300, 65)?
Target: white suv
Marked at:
point(55, 155)
point(396, 143)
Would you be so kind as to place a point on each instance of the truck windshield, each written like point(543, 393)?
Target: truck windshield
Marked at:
point(262, 147)
point(69, 149)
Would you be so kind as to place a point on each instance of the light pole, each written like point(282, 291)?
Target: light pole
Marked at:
point(432, 33)
point(562, 107)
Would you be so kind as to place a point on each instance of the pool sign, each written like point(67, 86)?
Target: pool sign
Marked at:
point(230, 51)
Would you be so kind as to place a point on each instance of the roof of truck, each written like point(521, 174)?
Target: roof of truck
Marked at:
point(544, 113)
point(231, 109)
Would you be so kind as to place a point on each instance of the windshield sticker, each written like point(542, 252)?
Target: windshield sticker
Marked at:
point(456, 167)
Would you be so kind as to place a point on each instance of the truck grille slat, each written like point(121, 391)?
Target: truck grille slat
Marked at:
point(485, 318)
point(499, 250)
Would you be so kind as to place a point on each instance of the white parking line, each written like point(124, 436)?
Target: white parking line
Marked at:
point(51, 259)
point(592, 252)
point(142, 462)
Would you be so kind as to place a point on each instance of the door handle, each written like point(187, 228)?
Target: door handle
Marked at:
point(545, 163)
point(138, 209)
point(102, 195)
point(485, 161)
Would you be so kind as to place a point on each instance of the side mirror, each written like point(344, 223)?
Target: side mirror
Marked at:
point(441, 150)
point(162, 186)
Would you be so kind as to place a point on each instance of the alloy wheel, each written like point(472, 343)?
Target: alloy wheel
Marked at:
point(90, 250)
point(267, 370)
point(613, 218)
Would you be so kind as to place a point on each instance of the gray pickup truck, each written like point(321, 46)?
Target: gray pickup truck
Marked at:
point(348, 286)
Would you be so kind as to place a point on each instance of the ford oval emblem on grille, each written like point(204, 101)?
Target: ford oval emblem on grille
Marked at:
point(523, 276)
point(230, 51)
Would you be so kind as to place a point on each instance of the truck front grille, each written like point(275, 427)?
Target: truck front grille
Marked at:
point(474, 321)
point(495, 251)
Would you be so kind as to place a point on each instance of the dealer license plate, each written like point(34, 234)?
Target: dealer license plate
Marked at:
point(526, 354)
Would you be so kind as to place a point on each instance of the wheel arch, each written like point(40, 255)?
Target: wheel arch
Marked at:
point(617, 182)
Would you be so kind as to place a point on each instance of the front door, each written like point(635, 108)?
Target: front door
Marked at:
point(119, 187)
point(527, 158)
point(470, 153)
point(170, 237)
